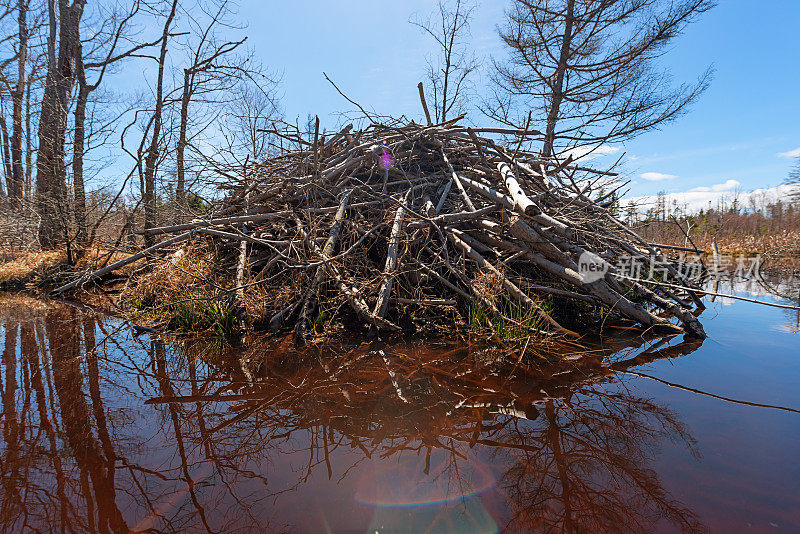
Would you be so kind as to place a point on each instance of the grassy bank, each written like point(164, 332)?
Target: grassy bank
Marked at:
point(187, 293)
point(40, 271)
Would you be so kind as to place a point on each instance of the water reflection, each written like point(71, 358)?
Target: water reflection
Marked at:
point(106, 432)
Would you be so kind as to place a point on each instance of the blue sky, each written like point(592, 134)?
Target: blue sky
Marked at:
point(733, 134)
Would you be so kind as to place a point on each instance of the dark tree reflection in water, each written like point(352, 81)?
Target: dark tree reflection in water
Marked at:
point(106, 432)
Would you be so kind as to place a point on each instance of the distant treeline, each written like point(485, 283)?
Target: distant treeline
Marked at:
point(755, 227)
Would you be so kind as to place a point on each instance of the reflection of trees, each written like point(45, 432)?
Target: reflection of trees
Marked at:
point(54, 470)
point(96, 468)
point(577, 446)
point(584, 468)
point(80, 453)
point(787, 289)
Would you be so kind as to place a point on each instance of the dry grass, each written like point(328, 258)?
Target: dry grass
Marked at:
point(189, 292)
point(45, 269)
point(736, 232)
point(186, 274)
point(489, 285)
point(779, 251)
point(25, 266)
point(741, 244)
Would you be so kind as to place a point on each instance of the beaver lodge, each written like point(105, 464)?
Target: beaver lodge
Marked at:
point(414, 228)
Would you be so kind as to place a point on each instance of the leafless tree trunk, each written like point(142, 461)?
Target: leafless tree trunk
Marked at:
point(153, 150)
point(15, 190)
point(85, 90)
point(558, 85)
point(448, 74)
point(588, 68)
point(7, 165)
point(180, 187)
point(78, 149)
point(50, 165)
point(29, 145)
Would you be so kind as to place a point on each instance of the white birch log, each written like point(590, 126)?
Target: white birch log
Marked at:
point(522, 203)
point(382, 304)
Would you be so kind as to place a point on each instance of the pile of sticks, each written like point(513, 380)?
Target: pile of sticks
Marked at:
point(393, 227)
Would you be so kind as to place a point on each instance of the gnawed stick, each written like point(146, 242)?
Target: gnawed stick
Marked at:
point(427, 302)
point(240, 267)
point(309, 301)
point(598, 288)
point(424, 104)
point(352, 294)
point(258, 217)
point(675, 247)
point(454, 176)
point(507, 202)
point(690, 322)
point(521, 200)
point(450, 218)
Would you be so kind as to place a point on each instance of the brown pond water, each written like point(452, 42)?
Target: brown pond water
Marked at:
point(105, 431)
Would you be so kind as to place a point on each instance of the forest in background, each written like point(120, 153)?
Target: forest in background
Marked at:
point(86, 163)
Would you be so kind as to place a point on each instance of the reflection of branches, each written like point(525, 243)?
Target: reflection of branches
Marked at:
point(581, 467)
point(786, 289)
point(158, 355)
point(588, 472)
point(574, 444)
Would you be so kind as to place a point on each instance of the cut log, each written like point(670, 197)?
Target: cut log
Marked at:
point(522, 203)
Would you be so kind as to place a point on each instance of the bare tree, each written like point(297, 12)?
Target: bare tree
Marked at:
point(209, 71)
point(32, 84)
point(107, 43)
point(448, 74)
point(588, 67)
point(6, 9)
point(794, 180)
point(15, 191)
point(149, 195)
point(254, 108)
point(50, 165)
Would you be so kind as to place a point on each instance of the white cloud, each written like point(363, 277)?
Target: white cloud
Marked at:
point(657, 176)
point(586, 153)
point(791, 154)
point(700, 198)
point(730, 185)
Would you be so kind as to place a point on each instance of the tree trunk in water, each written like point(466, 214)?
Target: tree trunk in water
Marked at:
point(557, 94)
point(51, 169)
